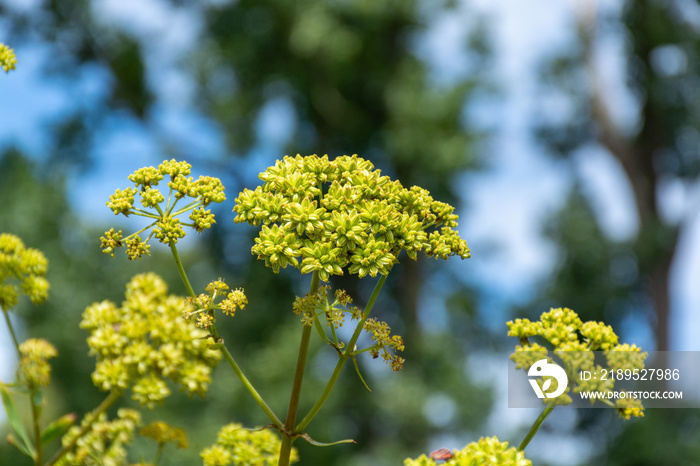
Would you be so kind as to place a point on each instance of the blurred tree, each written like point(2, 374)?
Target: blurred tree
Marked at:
point(654, 139)
point(657, 147)
point(351, 76)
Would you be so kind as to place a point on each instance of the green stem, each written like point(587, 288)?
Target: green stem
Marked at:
point(535, 427)
point(12, 332)
point(287, 439)
point(104, 406)
point(227, 355)
point(181, 270)
point(159, 453)
point(39, 458)
point(341, 362)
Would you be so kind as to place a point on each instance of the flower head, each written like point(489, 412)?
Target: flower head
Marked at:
point(237, 446)
point(34, 362)
point(7, 58)
point(487, 451)
point(104, 442)
point(163, 433)
point(22, 271)
point(164, 212)
point(143, 343)
point(339, 216)
point(574, 342)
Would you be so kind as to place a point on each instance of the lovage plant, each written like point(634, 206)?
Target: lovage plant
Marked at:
point(323, 217)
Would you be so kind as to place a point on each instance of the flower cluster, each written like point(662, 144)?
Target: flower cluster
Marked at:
point(486, 452)
point(7, 58)
point(104, 442)
point(34, 361)
point(315, 305)
point(24, 265)
point(381, 334)
point(311, 306)
point(574, 342)
point(203, 306)
point(328, 216)
point(242, 447)
point(144, 342)
point(167, 227)
point(163, 433)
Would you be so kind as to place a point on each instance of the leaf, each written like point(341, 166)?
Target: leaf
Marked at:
point(357, 369)
point(319, 444)
point(320, 331)
point(22, 443)
point(57, 428)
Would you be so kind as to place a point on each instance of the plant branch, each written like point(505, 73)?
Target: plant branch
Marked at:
point(39, 458)
point(227, 355)
point(287, 439)
point(104, 406)
point(341, 362)
point(12, 331)
point(536, 426)
point(181, 270)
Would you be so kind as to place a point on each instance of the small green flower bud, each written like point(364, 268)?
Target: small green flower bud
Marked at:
point(146, 177)
point(121, 202)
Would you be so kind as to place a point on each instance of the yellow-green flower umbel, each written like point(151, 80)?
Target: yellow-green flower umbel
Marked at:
point(488, 451)
point(144, 342)
point(329, 216)
point(22, 270)
point(165, 213)
point(7, 58)
point(574, 341)
point(237, 446)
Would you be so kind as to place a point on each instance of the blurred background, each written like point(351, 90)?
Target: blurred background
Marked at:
point(566, 132)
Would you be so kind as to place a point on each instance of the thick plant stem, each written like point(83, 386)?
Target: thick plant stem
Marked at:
point(341, 362)
point(227, 355)
point(536, 426)
point(104, 406)
point(287, 439)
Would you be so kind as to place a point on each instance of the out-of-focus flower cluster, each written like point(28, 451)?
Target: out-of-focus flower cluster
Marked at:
point(167, 226)
point(34, 361)
point(164, 433)
point(327, 216)
point(144, 342)
point(574, 342)
point(487, 451)
point(105, 441)
point(314, 305)
point(242, 447)
point(22, 270)
point(7, 58)
point(203, 305)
